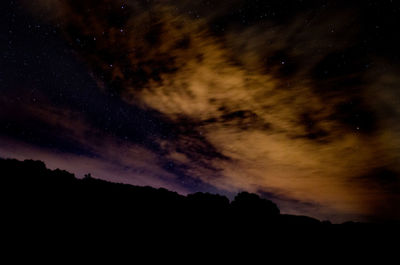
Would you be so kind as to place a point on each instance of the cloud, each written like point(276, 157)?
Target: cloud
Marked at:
point(275, 106)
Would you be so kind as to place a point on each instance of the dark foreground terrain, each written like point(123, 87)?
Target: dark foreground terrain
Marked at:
point(53, 202)
point(36, 191)
point(51, 215)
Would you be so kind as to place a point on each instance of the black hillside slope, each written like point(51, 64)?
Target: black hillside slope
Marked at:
point(38, 194)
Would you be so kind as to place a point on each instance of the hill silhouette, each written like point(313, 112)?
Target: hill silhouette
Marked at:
point(57, 197)
point(92, 217)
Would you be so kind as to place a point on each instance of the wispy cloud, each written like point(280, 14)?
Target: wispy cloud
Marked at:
point(291, 107)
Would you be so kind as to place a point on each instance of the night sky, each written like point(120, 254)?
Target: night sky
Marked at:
point(297, 101)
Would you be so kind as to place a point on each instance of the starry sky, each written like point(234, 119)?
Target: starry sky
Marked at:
point(297, 101)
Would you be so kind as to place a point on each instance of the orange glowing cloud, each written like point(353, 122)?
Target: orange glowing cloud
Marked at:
point(276, 129)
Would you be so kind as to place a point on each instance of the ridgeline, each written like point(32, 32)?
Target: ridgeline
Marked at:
point(41, 195)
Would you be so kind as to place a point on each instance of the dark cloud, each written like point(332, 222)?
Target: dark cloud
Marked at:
point(312, 129)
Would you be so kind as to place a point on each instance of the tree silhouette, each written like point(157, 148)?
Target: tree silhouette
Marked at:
point(59, 196)
point(250, 203)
